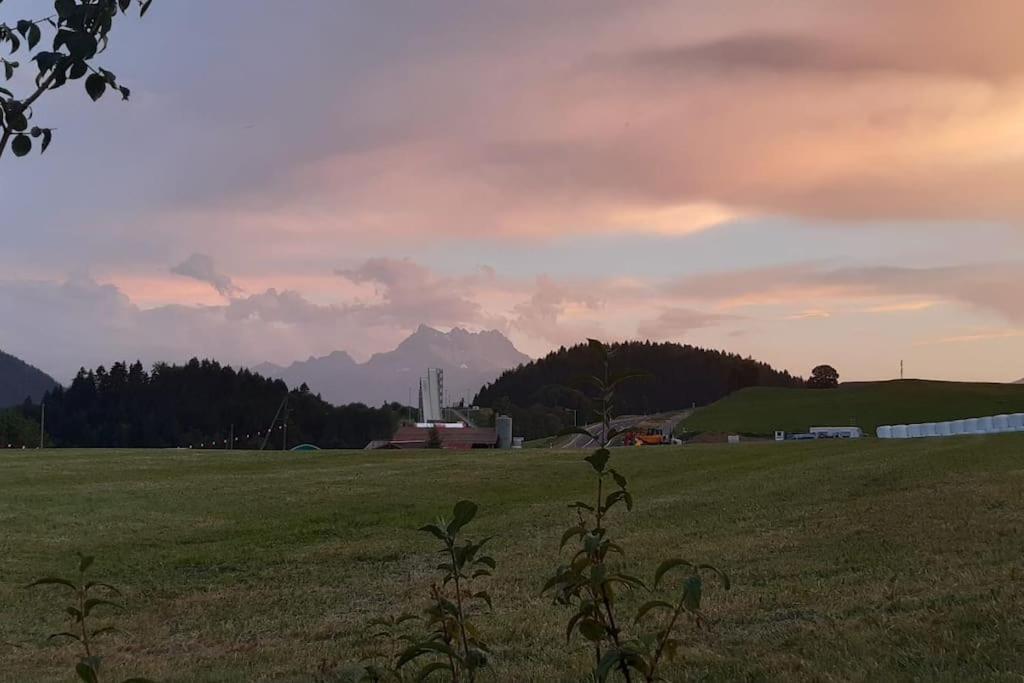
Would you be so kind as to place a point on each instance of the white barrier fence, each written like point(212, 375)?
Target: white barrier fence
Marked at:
point(995, 424)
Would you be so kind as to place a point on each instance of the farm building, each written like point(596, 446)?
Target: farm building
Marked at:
point(836, 432)
point(453, 436)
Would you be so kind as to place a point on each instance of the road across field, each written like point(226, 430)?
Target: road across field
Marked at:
point(668, 422)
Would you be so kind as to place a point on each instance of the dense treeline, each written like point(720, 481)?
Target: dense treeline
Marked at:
point(198, 404)
point(17, 430)
point(538, 394)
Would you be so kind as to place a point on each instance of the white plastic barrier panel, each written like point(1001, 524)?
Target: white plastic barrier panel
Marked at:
point(993, 424)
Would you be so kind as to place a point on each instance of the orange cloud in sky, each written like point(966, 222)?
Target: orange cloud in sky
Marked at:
point(510, 129)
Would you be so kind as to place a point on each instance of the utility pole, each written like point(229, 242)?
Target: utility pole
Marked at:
point(273, 422)
point(901, 369)
point(42, 424)
point(284, 430)
point(231, 438)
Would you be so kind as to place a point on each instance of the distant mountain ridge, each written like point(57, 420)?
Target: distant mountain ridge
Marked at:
point(469, 360)
point(19, 380)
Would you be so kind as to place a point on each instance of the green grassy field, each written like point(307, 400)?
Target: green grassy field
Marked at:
point(850, 560)
point(762, 410)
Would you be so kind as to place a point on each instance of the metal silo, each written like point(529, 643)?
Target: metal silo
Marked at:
point(503, 423)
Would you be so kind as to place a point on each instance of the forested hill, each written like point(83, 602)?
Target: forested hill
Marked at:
point(19, 380)
point(678, 377)
point(197, 404)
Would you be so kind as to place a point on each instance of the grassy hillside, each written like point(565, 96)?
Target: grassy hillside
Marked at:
point(850, 561)
point(762, 410)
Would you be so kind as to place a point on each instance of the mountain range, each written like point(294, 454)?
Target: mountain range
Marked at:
point(469, 360)
point(19, 380)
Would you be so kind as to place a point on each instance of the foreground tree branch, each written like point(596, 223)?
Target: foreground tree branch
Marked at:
point(81, 30)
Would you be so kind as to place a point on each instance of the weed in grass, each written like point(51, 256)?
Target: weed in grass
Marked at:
point(454, 644)
point(589, 582)
point(84, 603)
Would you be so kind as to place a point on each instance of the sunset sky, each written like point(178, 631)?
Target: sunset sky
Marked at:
point(804, 182)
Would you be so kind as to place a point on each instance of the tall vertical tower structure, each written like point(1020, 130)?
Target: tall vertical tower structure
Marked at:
point(432, 396)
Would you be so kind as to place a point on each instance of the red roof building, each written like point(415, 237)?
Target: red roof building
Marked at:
point(452, 437)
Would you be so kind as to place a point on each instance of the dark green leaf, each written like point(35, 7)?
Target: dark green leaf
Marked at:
point(592, 630)
point(607, 664)
point(598, 459)
point(92, 603)
point(16, 120)
point(571, 626)
point(77, 70)
point(619, 479)
point(20, 145)
point(46, 60)
point(648, 606)
point(692, 589)
point(95, 85)
point(64, 8)
point(462, 514)
point(99, 584)
point(34, 36)
point(105, 629)
point(722, 576)
point(576, 531)
point(53, 581)
point(86, 673)
point(436, 530)
point(668, 565)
